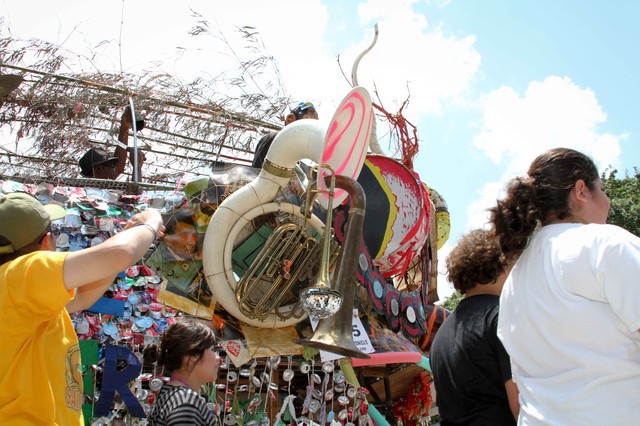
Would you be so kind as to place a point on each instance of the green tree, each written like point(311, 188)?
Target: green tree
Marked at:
point(452, 301)
point(624, 194)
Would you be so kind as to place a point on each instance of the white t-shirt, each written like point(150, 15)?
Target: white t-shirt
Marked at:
point(569, 319)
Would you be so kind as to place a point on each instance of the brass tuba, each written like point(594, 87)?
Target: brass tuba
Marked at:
point(291, 253)
point(229, 223)
point(270, 280)
point(334, 334)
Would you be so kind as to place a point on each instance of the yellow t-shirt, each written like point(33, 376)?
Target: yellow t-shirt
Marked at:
point(40, 376)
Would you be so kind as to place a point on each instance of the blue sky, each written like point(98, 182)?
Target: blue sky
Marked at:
point(492, 83)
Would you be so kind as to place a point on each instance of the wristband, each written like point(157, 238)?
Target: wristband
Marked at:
point(155, 233)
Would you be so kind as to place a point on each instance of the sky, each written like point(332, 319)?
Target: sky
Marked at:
point(491, 84)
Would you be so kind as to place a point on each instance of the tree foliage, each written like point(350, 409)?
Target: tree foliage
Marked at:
point(624, 194)
point(452, 301)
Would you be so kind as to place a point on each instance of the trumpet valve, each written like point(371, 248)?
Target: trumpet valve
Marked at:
point(286, 269)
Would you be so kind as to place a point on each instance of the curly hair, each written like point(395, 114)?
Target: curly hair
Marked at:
point(182, 339)
point(543, 195)
point(476, 259)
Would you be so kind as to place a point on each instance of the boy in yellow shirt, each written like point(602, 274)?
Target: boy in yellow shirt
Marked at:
point(40, 380)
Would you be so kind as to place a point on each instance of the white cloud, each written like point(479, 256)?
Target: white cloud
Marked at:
point(445, 288)
point(440, 4)
point(552, 113)
point(410, 57)
point(413, 58)
point(477, 214)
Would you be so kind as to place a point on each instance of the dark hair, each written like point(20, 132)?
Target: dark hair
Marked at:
point(541, 196)
point(182, 339)
point(476, 259)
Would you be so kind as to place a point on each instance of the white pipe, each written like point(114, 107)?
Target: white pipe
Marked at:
point(297, 141)
point(136, 177)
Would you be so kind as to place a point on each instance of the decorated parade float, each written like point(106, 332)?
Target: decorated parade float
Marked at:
point(317, 272)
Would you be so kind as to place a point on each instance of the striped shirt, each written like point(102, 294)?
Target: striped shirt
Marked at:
point(179, 405)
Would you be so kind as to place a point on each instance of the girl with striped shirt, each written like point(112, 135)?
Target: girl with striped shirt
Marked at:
point(186, 353)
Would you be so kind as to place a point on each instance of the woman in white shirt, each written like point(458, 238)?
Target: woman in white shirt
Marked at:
point(570, 308)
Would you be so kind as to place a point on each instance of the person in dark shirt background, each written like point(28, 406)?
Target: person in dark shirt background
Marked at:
point(304, 110)
point(471, 368)
point(98, 163)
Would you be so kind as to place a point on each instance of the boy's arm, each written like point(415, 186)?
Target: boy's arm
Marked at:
point(96, 267)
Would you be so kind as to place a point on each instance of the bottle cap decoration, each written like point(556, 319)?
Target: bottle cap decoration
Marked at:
point(287, 375)
point(143, 317)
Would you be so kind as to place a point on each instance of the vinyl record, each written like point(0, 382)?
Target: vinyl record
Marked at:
point(392, 307)
point(397, 214)
point(410, 303)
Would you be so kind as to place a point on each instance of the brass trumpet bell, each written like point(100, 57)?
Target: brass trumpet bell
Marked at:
point(335, 333)
point(335, 340)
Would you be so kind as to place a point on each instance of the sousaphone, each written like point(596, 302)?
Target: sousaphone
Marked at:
point(343, 146)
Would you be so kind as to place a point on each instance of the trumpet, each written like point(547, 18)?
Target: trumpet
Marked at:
point(322, 301)
point(334, 333)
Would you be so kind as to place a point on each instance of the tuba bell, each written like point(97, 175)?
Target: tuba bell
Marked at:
point(335, 333)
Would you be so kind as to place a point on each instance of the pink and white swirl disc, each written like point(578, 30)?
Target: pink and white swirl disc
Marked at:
point(347, 140)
